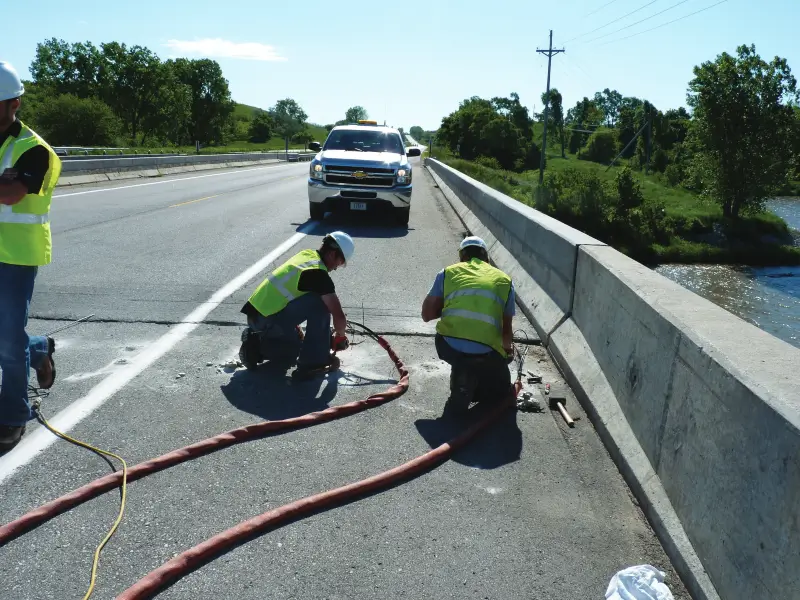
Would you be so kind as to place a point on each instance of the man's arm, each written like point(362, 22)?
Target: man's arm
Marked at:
point(434, 302)
point(508, 334)
point(27, 176)
point(12, 191)
point(432, 308)
point(335, 308)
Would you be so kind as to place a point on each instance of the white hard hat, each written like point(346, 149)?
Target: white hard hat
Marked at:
point(345, 243)
point(10, 83)
point(472, 240)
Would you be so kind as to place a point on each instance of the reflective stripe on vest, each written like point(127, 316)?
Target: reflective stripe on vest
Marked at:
point(281, 286)
point(25, 237)
point(475, 295)
point(280, 282)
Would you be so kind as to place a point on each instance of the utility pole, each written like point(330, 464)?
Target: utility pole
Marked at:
point(549, 52)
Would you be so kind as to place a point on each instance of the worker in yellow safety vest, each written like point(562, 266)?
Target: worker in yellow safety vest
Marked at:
point(301, 289)
point(29, 171)
point(474, 303)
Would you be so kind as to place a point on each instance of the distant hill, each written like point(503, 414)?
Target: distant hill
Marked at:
point(249, 112)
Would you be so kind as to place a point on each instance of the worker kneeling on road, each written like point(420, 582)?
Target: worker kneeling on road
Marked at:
point(301, 289)
point(475, 304)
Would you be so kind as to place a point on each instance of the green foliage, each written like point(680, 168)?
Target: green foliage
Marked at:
point(417, 133)
point(289, 118)
point(90, 123)
point(601, 147)
point(743, 128)
point(489, 162)
point(261, 127)
point(499, 128)
point(556, 118)
point(355, 114)
point(157, 102)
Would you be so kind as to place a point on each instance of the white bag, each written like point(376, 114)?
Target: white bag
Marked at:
point(638, 583)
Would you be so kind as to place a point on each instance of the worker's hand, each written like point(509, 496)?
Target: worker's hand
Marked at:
point(339, 342)
point(510, 352)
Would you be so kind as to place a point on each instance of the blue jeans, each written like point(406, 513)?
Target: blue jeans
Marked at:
point(18, 351)
point(279, 339)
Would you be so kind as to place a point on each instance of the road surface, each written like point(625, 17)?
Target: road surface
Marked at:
point(529, 510)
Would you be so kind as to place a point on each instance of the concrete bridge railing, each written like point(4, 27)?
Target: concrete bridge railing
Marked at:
point(699, 409)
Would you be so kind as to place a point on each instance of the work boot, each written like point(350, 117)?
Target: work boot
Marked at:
point(46, 374)
point(10, 436)
point(250, 350)
point(306, 372)
point(462, 392)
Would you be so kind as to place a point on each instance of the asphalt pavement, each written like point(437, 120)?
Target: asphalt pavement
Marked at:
point(531, 509)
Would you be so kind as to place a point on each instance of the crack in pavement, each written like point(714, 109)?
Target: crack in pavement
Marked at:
point(220, 323)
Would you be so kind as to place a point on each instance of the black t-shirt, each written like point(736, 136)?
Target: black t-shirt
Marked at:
point(313, 281)
point(32, 166)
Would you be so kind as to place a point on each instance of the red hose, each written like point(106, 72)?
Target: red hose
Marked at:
point(195, 557)
point(100, 486)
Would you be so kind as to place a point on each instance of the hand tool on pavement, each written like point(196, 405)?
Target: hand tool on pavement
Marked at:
point(558, 398)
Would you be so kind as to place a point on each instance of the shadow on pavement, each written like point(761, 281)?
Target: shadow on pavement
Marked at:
point(270, 393)
point(500, 444)
point(357, 225)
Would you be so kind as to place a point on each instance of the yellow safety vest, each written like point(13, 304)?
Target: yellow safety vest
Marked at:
point(25, 227)
point(475, 296)
point(280, 288)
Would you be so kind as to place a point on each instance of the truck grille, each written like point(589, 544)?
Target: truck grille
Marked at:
point(345, 175)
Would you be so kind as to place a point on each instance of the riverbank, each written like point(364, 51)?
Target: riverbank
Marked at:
point(673, 225)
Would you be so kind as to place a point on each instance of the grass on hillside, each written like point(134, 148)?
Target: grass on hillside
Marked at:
point(695, 219)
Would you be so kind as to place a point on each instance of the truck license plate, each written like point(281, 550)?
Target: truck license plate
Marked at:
point(358, 206)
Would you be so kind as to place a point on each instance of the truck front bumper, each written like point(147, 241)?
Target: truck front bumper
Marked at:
point(335, 197)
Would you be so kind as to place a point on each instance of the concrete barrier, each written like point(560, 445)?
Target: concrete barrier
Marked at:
point(80, 172)
point(700, 409)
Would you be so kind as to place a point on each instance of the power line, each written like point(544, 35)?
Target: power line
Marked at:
point(612, 22)
point(665, 24)
point(601, 8)
point(634, 24)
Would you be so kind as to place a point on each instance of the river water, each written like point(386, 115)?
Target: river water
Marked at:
point(766, 297)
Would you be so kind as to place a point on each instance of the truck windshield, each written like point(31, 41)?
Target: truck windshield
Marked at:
point(364, 140)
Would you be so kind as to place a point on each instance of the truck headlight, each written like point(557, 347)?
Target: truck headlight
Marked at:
point(404, 176)
point(316, 171)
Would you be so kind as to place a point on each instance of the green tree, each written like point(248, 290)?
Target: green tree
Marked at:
point(743, 127)
point(517, 114)
point(289, 119)
point(305, 138)
point(90, 122)
point(68, 68)
point(609, 102)
point(601, 147)
point(212, 107)
point(354, 114)
point(556, 117)
point(417, 133)
point(584, 116)
point(261, 128)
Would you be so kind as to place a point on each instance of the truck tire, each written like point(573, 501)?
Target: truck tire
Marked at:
point(316, 211)
point(402, 215)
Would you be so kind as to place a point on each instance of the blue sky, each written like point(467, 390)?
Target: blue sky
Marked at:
point(411, 63)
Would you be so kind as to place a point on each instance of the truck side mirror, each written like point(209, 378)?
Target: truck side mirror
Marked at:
point(413, 152)
point(314, 146)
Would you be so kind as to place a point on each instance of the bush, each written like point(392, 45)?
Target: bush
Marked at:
point(488, 161)
point(601, 147)
point(629, 193)
point(674, 175)
point(88, 122)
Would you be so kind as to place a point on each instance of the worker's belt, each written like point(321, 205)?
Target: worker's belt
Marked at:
point(7, 215)
point(280, 282)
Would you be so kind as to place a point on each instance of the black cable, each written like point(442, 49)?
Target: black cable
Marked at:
point(665, 24)
point(612, 22)
point(637, 22)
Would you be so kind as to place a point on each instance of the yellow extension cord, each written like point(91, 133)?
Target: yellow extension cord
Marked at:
point(113, 529)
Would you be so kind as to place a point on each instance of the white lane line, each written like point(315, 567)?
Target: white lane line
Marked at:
point(33, 444)
point(127, 187)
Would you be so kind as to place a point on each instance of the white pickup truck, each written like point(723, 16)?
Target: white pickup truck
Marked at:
point(361, 167)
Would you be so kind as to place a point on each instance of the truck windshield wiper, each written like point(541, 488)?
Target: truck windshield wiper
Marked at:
point(354, 149)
